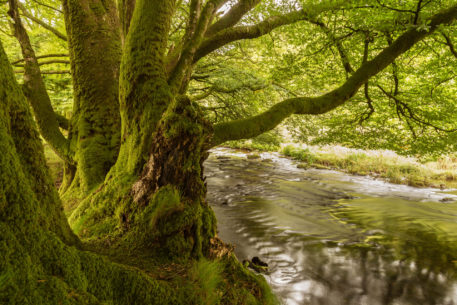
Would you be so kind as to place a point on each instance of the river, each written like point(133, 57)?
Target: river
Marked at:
point(331, 238)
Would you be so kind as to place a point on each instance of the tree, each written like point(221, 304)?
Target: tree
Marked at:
point(138, 168)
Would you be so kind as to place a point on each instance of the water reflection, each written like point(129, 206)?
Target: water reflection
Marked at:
point(383, 246)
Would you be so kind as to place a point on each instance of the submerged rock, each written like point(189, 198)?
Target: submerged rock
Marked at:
point(447, 199)
point(256, 264)
point(253, 156)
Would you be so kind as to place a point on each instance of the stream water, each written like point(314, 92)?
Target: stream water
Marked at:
point(332, 238)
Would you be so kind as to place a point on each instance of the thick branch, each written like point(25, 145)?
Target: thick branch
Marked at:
point(232, 17)
point(246, 32)
point(35, 91)
point(251, 127)
point(40, 22)
point(194, 15)
point(196, 32)
point(125, 8)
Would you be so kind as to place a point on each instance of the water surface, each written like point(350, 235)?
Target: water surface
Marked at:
point(332, 238)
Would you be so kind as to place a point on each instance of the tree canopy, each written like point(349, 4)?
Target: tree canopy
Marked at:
point(408, 107)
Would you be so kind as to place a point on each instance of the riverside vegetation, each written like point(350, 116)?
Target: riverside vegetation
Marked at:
point(437, 172)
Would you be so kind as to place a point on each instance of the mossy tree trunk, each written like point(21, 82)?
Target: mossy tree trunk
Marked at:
point(41, 260)
point(92, 144)
point(158, 177)
point(95, 53)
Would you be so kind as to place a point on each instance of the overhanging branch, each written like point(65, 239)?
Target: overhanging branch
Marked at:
point(253, 126)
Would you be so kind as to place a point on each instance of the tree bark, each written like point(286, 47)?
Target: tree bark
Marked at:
point(95, 52)
point(157, 181)
point(35, 91)
point(144, 91)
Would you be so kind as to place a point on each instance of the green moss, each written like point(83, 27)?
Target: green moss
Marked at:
point(95, 52)
point(39, 261)
point(144, 91)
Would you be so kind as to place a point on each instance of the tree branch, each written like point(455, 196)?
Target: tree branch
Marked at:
point(195, 32)
point(35, 91)
point(47, 62)
point(417, 12)
point(450, 44)
point(125, 8)
point(339, 46)
point(40, 22)
point(48, 6)
point(232, 17)
point(404, 110)
point(47, 72)
point(253, 126)
point(246, 32)
point(394, 9)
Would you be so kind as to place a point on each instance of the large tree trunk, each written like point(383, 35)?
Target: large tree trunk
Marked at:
point(95, 53)
point(157, 183)
point(185, 225)
point(43, 262)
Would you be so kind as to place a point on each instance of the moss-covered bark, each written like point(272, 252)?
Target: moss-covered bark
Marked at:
point(40, 258)
point(171, 193)
point(95, 52)
point(161, 152)
point(126, 8)
point(144, 91)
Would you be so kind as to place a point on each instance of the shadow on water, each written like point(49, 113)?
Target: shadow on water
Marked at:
point(331, 238)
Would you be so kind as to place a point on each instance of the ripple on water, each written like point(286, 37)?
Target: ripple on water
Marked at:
point(389, 244)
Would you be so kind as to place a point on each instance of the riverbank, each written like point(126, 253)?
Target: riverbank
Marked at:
point(387, 165)
point(329, 236)
point(220, 279)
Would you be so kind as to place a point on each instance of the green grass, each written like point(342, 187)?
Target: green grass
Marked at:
point(395, 169)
